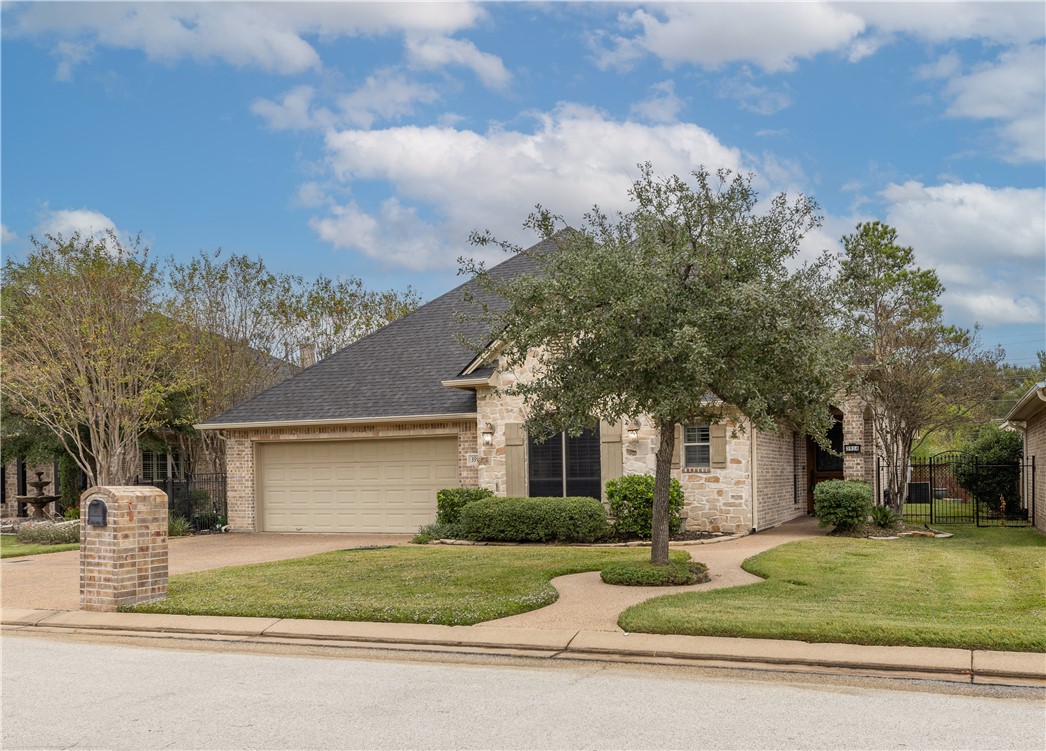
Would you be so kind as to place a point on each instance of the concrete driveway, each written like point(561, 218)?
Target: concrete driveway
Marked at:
point(52, 580)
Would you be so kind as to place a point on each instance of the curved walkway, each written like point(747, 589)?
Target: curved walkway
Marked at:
point(585, 602)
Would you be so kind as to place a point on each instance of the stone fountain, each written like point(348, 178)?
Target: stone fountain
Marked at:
point(39, 501)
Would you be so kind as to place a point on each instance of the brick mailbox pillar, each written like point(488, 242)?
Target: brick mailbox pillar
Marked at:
point(123, 546)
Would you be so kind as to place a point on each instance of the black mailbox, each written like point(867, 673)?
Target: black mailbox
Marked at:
point(97, 513)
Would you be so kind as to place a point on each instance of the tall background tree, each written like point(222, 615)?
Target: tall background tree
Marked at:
point(248, 329)
point(918, 375)
point(86, 353)
point(681, 309)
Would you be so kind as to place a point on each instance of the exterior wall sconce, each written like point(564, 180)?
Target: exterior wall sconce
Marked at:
point(488, 434)
point(633, 430)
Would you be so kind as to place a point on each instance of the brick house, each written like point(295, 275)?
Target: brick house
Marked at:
point(362, 440)
point(1029, 416)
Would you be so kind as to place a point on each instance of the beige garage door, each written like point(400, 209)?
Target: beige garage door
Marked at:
point(354, 486)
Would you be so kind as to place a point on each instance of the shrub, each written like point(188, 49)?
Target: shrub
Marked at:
point(535, 520)
point(450, 501)
point(178, 526)
point(844, 503)
point(631, 501)
point(647, 574)
point(437, 531)
point(995, 476)
point(73, 512)
point(884, 517)
point(49, 533)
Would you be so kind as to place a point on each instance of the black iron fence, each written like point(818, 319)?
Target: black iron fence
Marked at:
point(956, 488)
point(201, 499)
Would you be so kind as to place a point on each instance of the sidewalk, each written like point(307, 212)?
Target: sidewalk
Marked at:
point(956, 665)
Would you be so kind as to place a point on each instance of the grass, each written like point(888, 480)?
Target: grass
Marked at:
point(10, 547)
point(446, 584)
point(985, 588)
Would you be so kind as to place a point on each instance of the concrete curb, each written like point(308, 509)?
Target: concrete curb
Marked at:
point(962, 665)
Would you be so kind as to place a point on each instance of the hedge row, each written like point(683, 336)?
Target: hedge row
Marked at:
point(534, 520)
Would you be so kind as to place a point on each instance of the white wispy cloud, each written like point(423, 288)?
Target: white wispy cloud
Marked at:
point(987, 244)
point(447, 182)
point(1012, 91)
point(268, 36)
point(429, 51)
point(662, 106)
point(6, 235)
point(67, 222)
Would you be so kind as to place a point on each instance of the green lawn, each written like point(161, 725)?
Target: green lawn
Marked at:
point(10, 547)
point(436, 584)
point(982, 589)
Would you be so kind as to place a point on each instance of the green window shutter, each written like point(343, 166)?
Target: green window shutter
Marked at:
point(610, 462)
point(677, 452)
point(717, 435)
point(515, 460)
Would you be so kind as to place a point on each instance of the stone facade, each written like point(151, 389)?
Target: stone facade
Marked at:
point(125, 561)
point(240, 453)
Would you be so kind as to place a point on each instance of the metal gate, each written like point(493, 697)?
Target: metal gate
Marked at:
point(956, 488)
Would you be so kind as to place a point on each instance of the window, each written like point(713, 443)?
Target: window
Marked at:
point(697, 446)
point(565, 465)
point(155, 466)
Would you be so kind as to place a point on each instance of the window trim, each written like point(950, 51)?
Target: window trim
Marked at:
point(685, 464)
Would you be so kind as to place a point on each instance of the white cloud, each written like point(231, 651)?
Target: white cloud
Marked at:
point(1012, 90)
point(6, 235)
point(662, 106)
point(987, 244)
point(946, 66)
point(466, 180)
point(292, 112)
point(997, 22)
point(428, 51)
point(67, 222)
point(770, 35)
point(269, 36)
point(385, 95)
point(752, 97)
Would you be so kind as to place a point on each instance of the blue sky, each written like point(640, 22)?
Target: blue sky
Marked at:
point(369, 139)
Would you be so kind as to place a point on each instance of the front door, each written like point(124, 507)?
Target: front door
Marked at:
point(565, 465)
point(822, 465)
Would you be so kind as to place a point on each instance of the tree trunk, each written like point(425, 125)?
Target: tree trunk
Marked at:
point(662, 484)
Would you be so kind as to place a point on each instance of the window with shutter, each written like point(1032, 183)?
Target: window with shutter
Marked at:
point(697, 446)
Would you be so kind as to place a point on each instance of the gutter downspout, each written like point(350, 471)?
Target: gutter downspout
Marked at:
point(755, 478)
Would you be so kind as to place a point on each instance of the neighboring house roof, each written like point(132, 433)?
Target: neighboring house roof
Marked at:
point(1030, 404)
point(398, 371)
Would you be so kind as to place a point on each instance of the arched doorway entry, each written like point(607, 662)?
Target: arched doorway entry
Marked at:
point(822, 465)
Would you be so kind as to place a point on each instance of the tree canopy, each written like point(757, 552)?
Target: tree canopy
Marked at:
point(917, 375)
point(682, 308)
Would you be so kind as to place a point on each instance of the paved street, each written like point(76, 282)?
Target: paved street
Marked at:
point(75, 692)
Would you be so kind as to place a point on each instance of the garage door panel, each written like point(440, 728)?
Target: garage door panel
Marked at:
point(368, 486)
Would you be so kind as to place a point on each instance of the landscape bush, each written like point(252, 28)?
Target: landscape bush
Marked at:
point(884, 517)
point(450, 501)
point(843, 503)
point(535, 520)
point(631, 500)
point(647, 574)
point(178, 526)
point(994, 478)
point(209, 520)
point(49, 533)
point(437, 531)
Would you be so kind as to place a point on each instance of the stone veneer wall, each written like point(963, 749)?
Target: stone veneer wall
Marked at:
point(239, 455)
point(1035, 446)
point(780, 477)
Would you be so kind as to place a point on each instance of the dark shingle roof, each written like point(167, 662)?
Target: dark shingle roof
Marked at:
point(395, 371)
